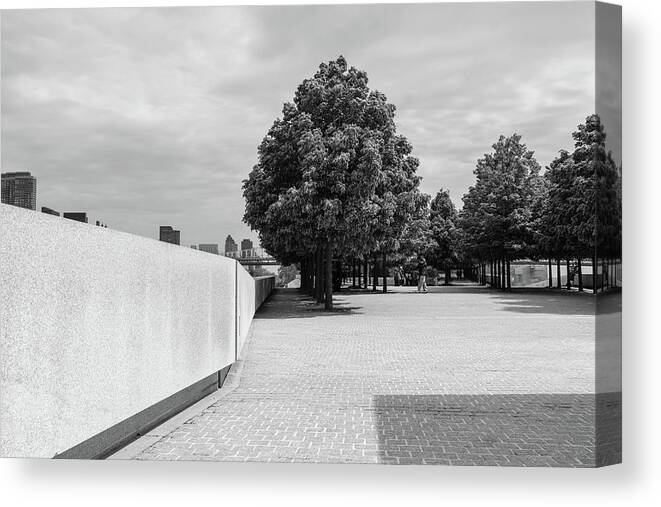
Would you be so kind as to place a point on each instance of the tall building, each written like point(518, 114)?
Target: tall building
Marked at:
point(19, 189)
point(50, 211)
point(168, 234)
point(230, 246)
point(78, 216)
point(208, 247)
point(246, 245)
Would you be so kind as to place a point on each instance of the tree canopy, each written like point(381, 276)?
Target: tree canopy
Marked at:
point(497, 209)
point(333, 175)
point(582, 215)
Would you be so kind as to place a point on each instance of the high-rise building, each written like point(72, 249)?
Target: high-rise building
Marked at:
point(246, 246)
point(208, 247)
point(230, 246)
point(49, 211)
point(168, 234)
point(19, 189)
point(78, 216)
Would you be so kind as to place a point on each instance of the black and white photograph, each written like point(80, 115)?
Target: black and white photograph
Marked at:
point(384, 234)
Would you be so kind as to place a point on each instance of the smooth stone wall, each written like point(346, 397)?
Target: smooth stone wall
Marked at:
point(97, 325)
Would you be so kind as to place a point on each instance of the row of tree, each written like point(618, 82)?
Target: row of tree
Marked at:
point(336, 191)
point(570, 213)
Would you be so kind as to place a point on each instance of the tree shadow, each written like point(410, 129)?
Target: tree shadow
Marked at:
point(549, 301)
point(412, 289)
point(294, 304)
point(569, 430)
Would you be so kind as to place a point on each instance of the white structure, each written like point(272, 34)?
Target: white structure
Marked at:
point(102, 333)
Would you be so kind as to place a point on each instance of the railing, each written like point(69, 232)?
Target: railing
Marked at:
point(104, 333)
point(251, 257)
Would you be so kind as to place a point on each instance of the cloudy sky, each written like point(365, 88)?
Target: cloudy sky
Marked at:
point(144, 117)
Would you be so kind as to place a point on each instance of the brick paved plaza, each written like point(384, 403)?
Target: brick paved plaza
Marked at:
point(461, 375)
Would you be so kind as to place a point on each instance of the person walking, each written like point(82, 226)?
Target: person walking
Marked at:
point(422, 277)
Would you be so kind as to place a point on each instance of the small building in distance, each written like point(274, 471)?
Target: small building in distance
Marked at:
point(208, 247)
point(78, 216)
point(168, 234)
point(50, 211)
point(19, 189)
point(230, 246)
point(246, 245)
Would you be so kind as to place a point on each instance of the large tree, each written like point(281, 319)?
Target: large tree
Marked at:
point(582, 216)
point(497, 213)
point(444, 232)
point(333, 177)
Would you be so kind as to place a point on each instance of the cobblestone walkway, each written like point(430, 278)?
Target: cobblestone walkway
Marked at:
point(458, 376)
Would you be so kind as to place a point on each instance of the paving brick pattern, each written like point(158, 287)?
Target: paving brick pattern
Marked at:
point(462, 376)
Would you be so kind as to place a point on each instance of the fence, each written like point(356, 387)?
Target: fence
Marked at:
point(536, 274)
point(104, 334)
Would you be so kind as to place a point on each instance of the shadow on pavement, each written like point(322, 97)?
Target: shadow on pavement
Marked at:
point(503, 430)
point(293, 304)
point(402, 290)
point(560, 303)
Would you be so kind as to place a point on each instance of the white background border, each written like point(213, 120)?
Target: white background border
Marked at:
point(636, 482)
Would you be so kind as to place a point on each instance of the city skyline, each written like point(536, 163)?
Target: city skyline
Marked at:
point(172, 141)
point(19, 189)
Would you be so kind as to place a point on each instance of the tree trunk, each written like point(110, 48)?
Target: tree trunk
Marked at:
point(374, 273)
point(568, 279)
point(320, 276)
point(504, 282)
point(550, 274)
point(492, 273)
point(594, 273)
point(559, 277)
point(580, 276)
point(496, 272)
point(313, 275)
point(329, 276)
point(490, 279)
point(308, 275)
point(365, 273)
point(353, 273)
point(384, 273)
point(509, 277)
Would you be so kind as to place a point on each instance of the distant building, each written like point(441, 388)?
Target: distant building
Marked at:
point(49, 211)
point(168, 234)
point(78, 216)
point(209, 247)
point(19, 189)
point(246, 244)
point(230, 246)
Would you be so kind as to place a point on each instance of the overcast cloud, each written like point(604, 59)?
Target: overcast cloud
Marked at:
point(144, 117)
